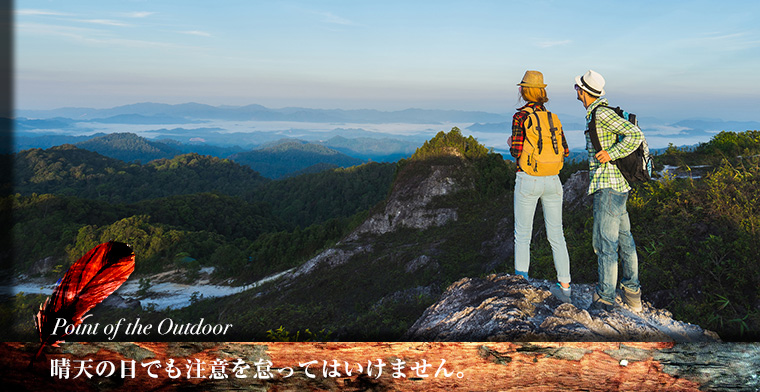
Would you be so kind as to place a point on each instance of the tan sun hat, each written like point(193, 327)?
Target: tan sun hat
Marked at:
point(591, 82)
point(532, 79)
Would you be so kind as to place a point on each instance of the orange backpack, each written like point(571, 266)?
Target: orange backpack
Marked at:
point(542, 154)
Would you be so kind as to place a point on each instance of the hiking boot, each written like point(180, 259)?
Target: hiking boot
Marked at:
point(562, 293)
point(632, 299)
point(597, 303)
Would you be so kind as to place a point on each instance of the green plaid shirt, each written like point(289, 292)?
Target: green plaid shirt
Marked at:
point(610, 128)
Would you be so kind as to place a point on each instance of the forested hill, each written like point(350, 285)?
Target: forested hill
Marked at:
point(284, 158)
point(69, 170)
point(310, 199)
point(290, 156)
point(215, 211)
point(129, 147)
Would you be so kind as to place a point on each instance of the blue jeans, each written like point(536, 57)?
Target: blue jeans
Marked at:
point(528, 189)
point(612, 238)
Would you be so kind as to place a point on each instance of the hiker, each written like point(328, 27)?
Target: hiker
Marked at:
point(537, 178)
point(612, 236)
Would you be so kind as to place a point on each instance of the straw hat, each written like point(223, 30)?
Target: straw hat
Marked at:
point(591, 82)
point(532, 79)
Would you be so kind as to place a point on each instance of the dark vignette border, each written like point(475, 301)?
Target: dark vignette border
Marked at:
point(6, 130)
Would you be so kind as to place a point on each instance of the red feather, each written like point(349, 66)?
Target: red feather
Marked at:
point(87, 282)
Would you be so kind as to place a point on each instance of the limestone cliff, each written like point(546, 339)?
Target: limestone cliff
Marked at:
point(409, 205)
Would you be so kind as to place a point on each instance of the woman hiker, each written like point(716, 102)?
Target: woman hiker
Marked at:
point(537, 178)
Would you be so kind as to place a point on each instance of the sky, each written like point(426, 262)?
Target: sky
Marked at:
point(667, 59)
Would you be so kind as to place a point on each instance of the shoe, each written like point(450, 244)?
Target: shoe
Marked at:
point(597, 303)
point(521, 273)
point(562, 293)
point(632, 299)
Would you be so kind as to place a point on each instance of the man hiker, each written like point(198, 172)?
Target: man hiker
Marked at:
point(612, 228)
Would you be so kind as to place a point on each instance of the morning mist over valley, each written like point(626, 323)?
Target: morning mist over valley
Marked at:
point(395, 134)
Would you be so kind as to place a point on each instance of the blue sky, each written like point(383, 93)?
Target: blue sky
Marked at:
point(673, 59)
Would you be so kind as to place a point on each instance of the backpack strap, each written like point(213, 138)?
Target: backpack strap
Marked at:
point(553, 131)
point(528, 121)
point(540, 136)
point(592, 132)
point(530, 111)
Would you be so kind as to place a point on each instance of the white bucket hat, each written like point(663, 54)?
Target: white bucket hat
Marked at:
point(591, 82)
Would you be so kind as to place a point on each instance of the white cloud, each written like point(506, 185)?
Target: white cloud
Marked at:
point(30, 12)
point(88, 36)
point(196, 32)
point(549, 44)
point(105, 22)
point(723, 41)
point(138, 14)
point(329, 17)
point(325, 17)
point(78, 33)
point(133, 43)
point(721, 37)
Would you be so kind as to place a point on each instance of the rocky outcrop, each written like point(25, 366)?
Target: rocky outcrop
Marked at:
point(510, 308)
point(43, 266)
point(575, 191)
point(500, 245)
point(119, 302)
point(408, 204)
point(330, 258)
point(419, 263)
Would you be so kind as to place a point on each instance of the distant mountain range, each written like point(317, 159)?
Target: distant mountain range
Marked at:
point(225, 132)
point(24, 124)
point(130, 147)
point(159, 113)
point(142, 119)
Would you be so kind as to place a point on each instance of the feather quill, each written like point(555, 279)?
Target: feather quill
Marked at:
point(88, 282)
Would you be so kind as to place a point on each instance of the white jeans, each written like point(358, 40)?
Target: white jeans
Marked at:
point(528, 189)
